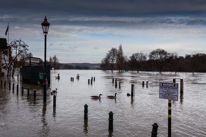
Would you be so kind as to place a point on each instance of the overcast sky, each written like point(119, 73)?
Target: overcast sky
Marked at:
point(85, 30)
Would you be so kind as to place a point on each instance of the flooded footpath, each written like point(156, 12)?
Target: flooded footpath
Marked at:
point(23, 115)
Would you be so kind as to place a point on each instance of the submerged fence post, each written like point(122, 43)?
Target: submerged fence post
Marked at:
point(111, 120)
point(27, 91)
point(142, 83)
point(119, 85)
point(88, 81)
point(54, 101)
point(132, 90)
point(115, 83)
point(94, 78)
point(85, 112)
point(181, 85)
point(154, 130)
point(34, 94)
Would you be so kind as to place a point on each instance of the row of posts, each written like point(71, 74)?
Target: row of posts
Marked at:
point(91, 80)
point(111, 119)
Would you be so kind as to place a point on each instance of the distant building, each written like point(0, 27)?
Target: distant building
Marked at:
point(3, 46)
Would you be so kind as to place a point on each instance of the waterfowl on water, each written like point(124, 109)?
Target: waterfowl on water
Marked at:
point(96, 97)
point(128, 94)
point(112, 97)
point(54, 92)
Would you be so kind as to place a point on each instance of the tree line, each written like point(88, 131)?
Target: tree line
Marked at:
point(158, 60)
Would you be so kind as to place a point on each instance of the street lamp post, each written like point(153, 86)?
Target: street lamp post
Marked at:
point(45, 28)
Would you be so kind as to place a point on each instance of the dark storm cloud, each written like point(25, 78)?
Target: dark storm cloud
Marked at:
point(60, 12)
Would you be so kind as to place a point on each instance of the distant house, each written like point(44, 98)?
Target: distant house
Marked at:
point(3, 46)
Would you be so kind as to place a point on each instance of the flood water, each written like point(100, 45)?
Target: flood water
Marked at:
point(22, 116)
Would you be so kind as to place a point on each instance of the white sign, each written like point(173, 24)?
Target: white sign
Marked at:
point(35, 60)
point(168, 91)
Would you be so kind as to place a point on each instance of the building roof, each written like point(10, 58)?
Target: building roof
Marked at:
point(3, 43)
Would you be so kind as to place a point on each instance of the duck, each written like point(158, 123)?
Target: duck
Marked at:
point(96, 97)
point(112, 97)
point(54, 92)
point(128, 94)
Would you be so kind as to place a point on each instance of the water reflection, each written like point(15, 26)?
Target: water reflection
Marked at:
point(85, 126)
point(110, 133)
point(181, 98)
point(45, 128)
point(54, 111)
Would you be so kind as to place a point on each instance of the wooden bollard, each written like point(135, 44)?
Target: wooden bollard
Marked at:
point(154, 130)
point(85, 112)
point(88, 81)
point(111, 120)
point(142, 83)
point(34, 94)
point(91, 81)
point(181, 85)
point(147, 84)
point(132, 90)
point(22, 90)
point(115, 83)
point(54, 101)
point(119, 85)
point(27, 91)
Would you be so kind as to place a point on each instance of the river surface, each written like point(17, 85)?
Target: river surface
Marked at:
point(22, 116)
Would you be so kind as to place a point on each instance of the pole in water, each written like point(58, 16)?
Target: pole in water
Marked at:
point(88, 81)
point(112, 80)
point(27, 91)
point(181, 85)
point(34, 94)
point(91, 81)
point(94, 78)
point(54, 101)
point(174, 80)
point(132, 90)
point(111, 120)
point(9, 85)
point(147, 84)
point(4, 83)
point(1, 82)
point(85, 112)
point(13, 86)
point(154, 130)
point(142, 83)
point(119, 85)
point(115, 83)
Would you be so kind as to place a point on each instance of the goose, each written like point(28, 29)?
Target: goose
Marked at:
point(54, 92)
point(96, 97)
point(112, 97)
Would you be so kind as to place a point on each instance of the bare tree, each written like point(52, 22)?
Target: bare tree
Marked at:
point(55, 61)
point(138, 59)
point(159, 56)
point(18, 47)
point(120, 58)
point(111, 56)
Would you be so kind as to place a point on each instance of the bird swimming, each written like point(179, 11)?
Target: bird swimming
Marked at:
point(112, 97)
point(54, 92)
point(96, 97)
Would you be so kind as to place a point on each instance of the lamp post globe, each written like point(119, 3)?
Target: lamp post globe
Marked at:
point(45, 27)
